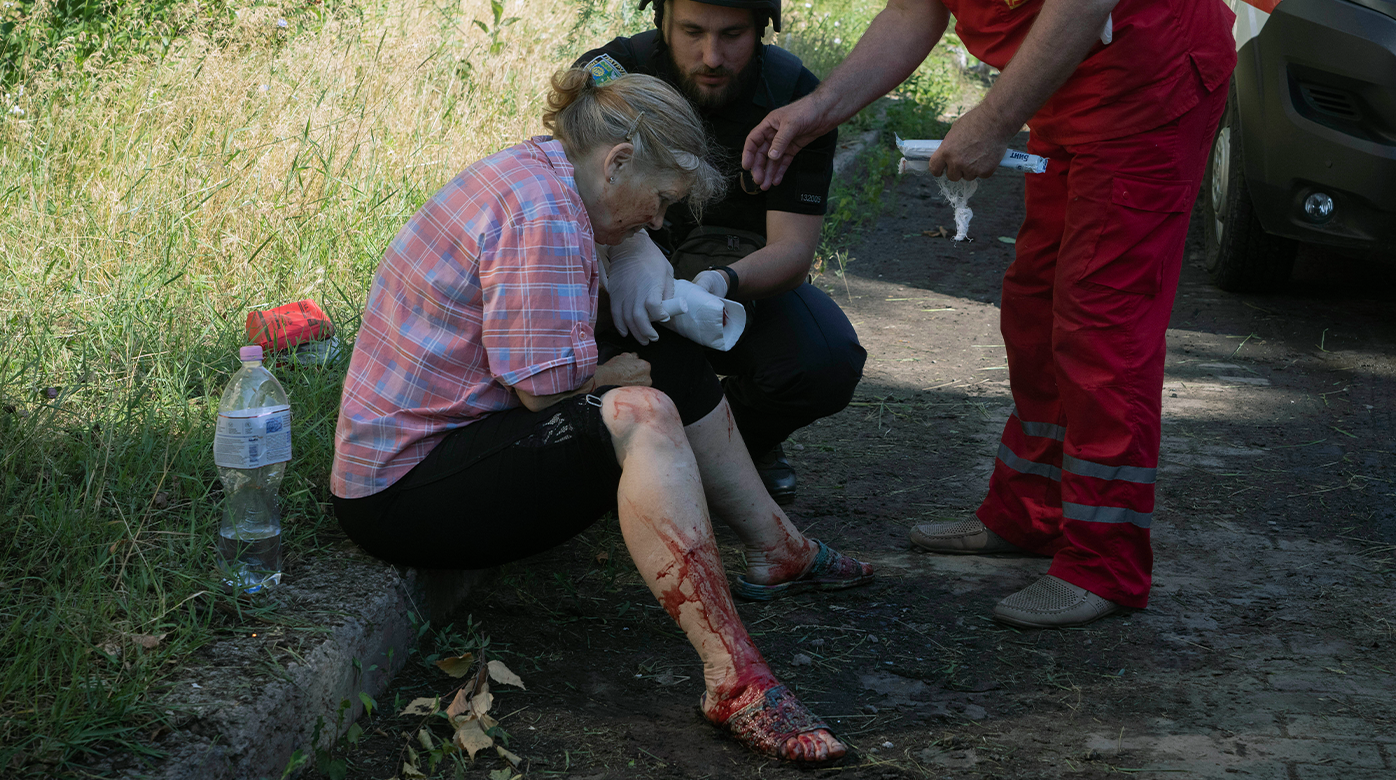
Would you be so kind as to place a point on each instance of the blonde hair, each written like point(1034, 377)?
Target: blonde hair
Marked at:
point(642, 110)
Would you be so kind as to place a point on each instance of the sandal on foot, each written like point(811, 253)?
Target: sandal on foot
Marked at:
point(773, 719)
point(830, 571)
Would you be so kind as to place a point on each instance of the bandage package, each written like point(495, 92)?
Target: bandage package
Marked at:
point(916, 153)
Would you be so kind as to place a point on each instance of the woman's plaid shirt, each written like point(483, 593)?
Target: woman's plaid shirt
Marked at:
point(491, 285)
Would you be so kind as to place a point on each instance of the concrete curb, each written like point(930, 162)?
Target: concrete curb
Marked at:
point(850, 149)
point(249, 715)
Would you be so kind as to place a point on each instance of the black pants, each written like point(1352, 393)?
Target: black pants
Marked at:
point(798, 361)
point(516, 483)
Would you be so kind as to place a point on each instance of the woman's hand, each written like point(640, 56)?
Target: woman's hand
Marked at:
point(639, 279)
point(626, 369)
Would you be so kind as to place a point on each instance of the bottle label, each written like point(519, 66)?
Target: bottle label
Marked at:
point(253, 438)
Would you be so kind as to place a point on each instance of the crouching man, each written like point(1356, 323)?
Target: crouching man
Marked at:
point(799, 359)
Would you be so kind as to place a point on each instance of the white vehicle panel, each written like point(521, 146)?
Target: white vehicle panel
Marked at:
point(1249, 18)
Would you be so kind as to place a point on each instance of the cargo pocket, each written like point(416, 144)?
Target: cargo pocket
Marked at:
point(1145, 223)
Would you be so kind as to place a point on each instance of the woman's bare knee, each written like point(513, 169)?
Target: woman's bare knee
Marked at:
point(627, 411)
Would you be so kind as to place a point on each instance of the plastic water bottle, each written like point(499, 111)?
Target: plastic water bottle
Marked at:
point(251, 447)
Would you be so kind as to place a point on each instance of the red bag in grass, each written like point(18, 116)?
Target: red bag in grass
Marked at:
point(287, 326)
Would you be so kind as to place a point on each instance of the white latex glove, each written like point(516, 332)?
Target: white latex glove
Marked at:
point(639, 280)
point(712, 281)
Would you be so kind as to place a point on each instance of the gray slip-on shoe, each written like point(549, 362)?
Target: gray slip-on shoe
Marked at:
point(959, 536)
point(1052, 602)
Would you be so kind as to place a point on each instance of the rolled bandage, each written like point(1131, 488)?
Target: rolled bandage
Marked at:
point(673, 307)
point(1013, 159)
point(702, 317)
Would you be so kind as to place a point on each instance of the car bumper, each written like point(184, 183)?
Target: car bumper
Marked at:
point(1316, 91)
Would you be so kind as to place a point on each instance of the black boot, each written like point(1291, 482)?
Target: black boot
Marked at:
point(777, 475)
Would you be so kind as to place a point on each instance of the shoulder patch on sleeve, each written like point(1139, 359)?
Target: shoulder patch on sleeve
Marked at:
point(604, 68)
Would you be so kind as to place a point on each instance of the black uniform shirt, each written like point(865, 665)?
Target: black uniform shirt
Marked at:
point(805, 188)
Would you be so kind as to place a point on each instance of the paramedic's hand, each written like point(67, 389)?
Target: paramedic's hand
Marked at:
point(639, 280)
point(712, 281)
point(973, 148)
point(772, 145)
point(626, 369)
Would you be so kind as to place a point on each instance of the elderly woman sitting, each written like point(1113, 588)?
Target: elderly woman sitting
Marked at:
point(482, 422)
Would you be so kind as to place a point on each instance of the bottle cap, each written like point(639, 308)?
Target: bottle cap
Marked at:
point(253, 352)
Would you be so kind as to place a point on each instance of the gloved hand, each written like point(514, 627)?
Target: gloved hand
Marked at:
point(712, 281)
point(639, 280)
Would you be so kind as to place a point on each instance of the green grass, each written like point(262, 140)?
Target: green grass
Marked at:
point(150, 196)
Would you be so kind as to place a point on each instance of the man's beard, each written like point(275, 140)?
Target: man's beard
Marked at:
point(709, 99)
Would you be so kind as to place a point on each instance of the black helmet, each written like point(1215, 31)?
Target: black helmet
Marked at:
point(764, 9)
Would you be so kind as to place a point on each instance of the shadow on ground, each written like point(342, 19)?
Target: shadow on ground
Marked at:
point(1265, 651)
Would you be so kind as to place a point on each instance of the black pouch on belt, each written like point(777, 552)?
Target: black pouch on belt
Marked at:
point(709, 246)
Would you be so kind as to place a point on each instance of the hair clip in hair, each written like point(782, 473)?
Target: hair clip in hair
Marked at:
point(634, 125)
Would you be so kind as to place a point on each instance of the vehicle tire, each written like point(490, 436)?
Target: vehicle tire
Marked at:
point(1241, 256)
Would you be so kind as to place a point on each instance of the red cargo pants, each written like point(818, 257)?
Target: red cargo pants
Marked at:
point(1086, 304)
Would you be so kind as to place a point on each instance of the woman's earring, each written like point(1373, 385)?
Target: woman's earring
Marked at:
point(612, 180)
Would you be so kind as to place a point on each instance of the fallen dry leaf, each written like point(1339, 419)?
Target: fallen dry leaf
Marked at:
point(114, 647)
point(422, 706)
point(481, 703)
point(486, 722)
point(457, 666)
point(501, 674)
point(411, 771)
point(513, 760)
point(473, 698)
point(471, 738)
point(148, 641)
point(603, 556)
point(460, 705)
point(939, 232)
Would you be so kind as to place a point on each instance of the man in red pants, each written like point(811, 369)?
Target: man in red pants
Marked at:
point(1123, 98)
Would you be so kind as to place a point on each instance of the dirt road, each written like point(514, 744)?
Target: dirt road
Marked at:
point(1268, 647)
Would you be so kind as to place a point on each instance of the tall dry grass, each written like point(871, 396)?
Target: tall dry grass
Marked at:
point(264, 138)
point(146, 205)
point(143, 211)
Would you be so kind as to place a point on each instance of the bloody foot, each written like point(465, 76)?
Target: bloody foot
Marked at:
point(765, 716)
point(662, 509)
point(827, 569)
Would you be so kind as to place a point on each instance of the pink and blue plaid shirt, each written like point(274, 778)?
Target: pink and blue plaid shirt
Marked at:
point(491, 285)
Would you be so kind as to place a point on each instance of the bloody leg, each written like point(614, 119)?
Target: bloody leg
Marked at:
point(775, 550)
point(664, 519)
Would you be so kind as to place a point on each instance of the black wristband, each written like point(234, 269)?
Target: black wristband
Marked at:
point(732, 280)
